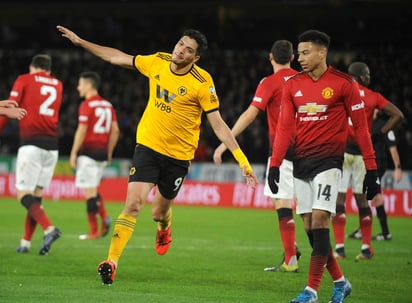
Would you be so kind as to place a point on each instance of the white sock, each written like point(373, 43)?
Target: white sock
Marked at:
point(25, 243)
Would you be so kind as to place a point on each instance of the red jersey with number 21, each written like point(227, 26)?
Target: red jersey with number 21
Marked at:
point(320, 110)
point(99, 115)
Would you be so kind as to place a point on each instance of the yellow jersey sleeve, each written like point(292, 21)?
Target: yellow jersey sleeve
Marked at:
point(171, 121)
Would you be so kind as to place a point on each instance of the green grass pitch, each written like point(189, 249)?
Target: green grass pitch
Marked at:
point(217, 255)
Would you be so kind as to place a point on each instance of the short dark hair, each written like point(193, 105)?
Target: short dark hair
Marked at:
point(42, 61)
point(200, 39)
point(92, 77)
point(316, 37)
point(357, 69)
point(282, 51)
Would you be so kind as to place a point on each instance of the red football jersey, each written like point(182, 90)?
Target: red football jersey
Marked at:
point(41, 95)
point(320, 110)
point(372, 100)
point(268, 95)
point(99, 115)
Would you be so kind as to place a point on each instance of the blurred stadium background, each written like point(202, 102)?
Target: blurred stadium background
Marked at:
point(240, 35)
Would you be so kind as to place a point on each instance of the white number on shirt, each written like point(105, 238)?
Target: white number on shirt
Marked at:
point(51, 93)
point(104, 119)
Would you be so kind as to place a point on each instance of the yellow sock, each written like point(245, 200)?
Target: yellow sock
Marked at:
point(123, 230)
point(163, 225)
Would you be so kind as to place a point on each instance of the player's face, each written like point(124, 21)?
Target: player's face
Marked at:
point(184, 52)
point(82, 87)
point(310, 56)
point(366, 78)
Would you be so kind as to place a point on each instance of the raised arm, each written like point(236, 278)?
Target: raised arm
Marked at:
point(109, 54)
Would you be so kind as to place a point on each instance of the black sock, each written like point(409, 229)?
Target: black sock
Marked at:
point(381, 213)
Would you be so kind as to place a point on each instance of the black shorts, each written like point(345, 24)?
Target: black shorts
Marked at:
point(167, 173)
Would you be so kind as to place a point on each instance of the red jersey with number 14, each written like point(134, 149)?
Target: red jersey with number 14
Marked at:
point(320, 110)
point(41, 95)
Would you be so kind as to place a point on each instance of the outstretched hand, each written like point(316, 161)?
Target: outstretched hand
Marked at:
point(8, 103)
point(397, 175)
point(217, 155)
point(16, 113)
point(250, 176)
point(68, 34)
point(11, 110)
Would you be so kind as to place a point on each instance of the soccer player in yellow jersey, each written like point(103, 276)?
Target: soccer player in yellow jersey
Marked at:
point(167, 134)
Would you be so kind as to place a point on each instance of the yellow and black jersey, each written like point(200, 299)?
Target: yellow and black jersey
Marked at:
point(171, 121)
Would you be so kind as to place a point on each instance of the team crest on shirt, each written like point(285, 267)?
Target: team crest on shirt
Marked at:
point(312, 108)
point(327, 92)
point(182, 91)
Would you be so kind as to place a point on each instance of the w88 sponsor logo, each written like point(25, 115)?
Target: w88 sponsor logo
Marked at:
point(163, 107)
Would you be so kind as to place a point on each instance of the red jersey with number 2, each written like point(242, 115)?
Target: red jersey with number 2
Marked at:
point(41, 95)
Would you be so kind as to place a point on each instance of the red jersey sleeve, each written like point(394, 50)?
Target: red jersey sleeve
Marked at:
point(3, 122)
point(263, 94)
point(284, 132)
point(84, 112)
point(356, 110)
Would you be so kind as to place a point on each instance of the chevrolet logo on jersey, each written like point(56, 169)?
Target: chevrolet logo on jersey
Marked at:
point(164, 93)
point(312, 108)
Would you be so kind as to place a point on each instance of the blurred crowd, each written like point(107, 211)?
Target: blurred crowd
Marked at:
point(236, 72)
